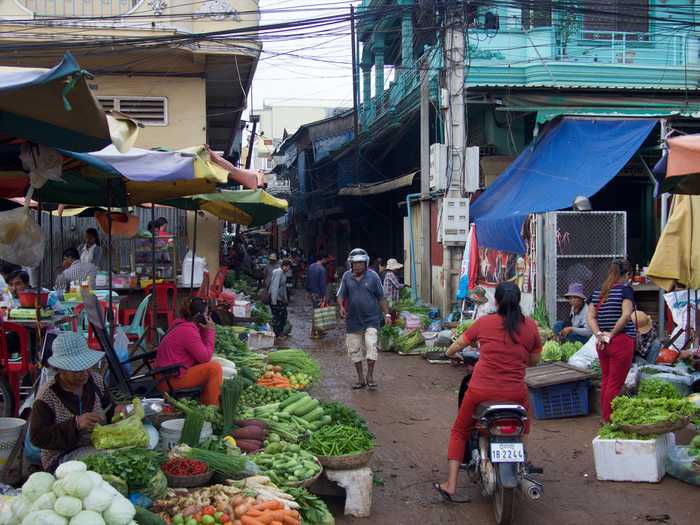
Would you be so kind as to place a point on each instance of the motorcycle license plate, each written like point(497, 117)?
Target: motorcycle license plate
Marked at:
point(507, 453)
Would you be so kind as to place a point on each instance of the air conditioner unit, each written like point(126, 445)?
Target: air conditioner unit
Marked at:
point(454, 220)
point(438, 166)
point(470, 183)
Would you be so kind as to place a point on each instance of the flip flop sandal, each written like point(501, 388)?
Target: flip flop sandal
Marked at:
point(446, 498)
point(359, 386)
point(372, 385)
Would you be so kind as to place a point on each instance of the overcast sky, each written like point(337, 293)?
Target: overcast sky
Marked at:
point(321, 68)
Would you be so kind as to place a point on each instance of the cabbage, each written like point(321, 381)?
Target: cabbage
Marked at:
point(45, 502)
point(69, 467)
point(6, 510)
point(77, 485)
point(120, 512)
point(68, 506)
point(98, 500)
point(551, 351)
point(94, 477)
point(21, 506)
point(38, 483)
point(87, 517)
point(58, 488)
point(44, 517)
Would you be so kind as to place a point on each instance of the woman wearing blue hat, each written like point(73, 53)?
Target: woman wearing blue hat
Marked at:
point(575, 328)
point(69, 406)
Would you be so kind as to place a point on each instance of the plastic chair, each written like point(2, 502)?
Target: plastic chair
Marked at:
point(166, 299)
point(15, 370)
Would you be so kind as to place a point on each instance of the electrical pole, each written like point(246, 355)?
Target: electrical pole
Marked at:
point(426, 264)
point(355, 97)
point(456, 134)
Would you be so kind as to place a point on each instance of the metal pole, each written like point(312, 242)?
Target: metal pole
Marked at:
point(355, 97)
point(426, 266)
point(194, 251)
point(154, 308)
point(110, 263)
point(51, 267)
point(664, 220)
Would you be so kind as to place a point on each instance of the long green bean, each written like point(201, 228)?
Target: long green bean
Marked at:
point(339, 440)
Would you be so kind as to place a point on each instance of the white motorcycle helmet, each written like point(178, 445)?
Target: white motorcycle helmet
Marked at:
point(582, 203)
point(358, 255)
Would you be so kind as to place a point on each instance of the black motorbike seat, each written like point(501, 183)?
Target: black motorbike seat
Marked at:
point(491, 407)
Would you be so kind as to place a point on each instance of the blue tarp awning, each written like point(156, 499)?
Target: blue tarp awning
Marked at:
point(574, 156)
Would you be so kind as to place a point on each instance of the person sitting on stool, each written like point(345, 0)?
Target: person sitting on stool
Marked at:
point(576, 327)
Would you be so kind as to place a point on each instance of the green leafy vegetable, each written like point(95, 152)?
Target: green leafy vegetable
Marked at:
point(463, 327)
point(642, 411)
point(408, 341)
point(313, 510)
point(567, 350)
point(136, 466)
point(595, 368)
point(610, 432)
point(261, 313)
point(551, 351)
point(295, 360)
point(388, 334)
point(651, 388)
point(344, 415)
point(540, 314)
point(128, 432)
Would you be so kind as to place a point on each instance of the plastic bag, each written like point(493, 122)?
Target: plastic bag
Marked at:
point(121, 348)
point(586, 355)
point(21, 241)
point(128, 432)
point(682, 465)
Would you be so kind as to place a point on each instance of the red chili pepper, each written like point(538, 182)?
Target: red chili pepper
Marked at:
point(184, 467)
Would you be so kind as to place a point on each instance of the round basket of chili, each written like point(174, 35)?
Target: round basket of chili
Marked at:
point(185, 473)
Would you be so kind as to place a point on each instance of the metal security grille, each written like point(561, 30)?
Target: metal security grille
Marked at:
point(579, 247)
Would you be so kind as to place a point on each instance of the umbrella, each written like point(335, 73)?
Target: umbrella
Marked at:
point(56, 107)
point(677, 256)
point(682, 165)
point(246, 207)
point(108, 177)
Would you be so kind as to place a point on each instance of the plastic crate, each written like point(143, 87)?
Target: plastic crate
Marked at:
point(563, 400)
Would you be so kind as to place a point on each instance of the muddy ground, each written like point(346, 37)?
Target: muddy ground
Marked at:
point(411, 414)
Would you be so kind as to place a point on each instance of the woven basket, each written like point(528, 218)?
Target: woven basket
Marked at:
point(307, 482)
point(347, 462)
point(657, 428)
point(189, 482)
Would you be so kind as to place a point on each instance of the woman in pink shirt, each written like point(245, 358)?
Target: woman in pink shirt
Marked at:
point(190, 344)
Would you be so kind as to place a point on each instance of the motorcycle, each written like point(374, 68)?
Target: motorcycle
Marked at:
point(495, 456)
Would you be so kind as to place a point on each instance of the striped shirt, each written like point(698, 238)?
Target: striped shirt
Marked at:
point(610, 311)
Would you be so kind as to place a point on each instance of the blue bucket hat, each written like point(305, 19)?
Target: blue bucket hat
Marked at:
point(71, 353)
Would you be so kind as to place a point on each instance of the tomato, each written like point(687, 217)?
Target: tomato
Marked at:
point(178, 519)
point(191, 521)
point(198, 517)
point(224, 518)
point(209, 510)
point(228, 523)
point(208, 519)
point(218, 515)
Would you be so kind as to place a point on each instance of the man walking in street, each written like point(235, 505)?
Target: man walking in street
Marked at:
point(270, 267)
point(279, 299)
point(360, 297)
point(316, 286)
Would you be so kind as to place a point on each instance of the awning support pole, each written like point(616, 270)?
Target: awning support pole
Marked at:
point(194, 252)
point(664, 220)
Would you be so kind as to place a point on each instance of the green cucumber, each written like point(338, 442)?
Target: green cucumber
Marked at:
point(305, 407)
point(325, 420)
point(292, 399)
point(289, 409)
point(316, 414)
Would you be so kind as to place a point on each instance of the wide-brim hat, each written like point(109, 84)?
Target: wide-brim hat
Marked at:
point(273, 257)
point(70, 352)
point(643, 322)
point(393, 264)
point(575, 290)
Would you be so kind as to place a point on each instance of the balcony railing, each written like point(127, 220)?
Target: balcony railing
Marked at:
point(81, 8)
point(619, 47)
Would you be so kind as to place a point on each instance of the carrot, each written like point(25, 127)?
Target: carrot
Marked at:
point(289, 520)
point(252, 511)
point(249, 520)
point(276, 523)
point(272, 504)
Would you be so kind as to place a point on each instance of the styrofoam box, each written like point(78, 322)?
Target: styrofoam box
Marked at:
point(261, 340)
point(632, 459)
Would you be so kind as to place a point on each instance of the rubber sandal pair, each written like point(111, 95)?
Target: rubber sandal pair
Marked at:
point(446, 498)
point(359, 386)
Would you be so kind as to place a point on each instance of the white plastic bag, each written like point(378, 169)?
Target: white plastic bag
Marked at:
point(21, 240)
point(121, 348)
point(586, 355)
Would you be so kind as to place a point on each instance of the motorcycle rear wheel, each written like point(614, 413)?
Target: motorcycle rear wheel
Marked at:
point(503, 504)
